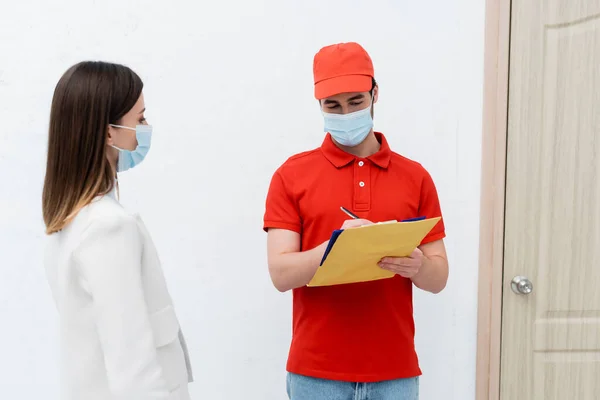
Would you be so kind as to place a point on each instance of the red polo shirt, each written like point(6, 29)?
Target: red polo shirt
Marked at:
point(361, 332)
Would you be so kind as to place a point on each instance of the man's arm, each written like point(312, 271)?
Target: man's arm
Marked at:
point(433, 274)
point(427, 266)
point(288, 266)
point(291, 268)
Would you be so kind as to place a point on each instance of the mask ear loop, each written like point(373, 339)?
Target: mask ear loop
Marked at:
point(123, 127)
point(373, 108)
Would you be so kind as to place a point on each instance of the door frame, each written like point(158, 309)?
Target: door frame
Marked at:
point(493, 184)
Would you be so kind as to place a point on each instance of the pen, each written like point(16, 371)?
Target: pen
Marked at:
point(349, 213)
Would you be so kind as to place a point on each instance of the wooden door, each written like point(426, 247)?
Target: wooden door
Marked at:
point(551, 336)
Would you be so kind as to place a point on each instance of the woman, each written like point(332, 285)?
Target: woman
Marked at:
point(120, 338)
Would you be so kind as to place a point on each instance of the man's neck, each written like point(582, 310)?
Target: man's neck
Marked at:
point(367, 148)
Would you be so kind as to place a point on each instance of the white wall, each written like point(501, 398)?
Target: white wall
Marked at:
point(229, 91)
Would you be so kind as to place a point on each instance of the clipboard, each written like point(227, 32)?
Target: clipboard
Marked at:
point(352, 254)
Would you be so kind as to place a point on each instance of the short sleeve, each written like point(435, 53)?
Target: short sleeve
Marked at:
point(281, 209)
point(429, 206)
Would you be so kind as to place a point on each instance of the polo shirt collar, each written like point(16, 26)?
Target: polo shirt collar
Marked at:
point(339, 158)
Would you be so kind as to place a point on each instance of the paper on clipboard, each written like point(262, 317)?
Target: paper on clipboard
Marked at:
point(354, 253)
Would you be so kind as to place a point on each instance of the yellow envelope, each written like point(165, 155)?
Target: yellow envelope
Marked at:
point(356, 252)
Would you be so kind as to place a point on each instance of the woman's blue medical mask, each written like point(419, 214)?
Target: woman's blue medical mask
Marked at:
point(130, 158)
point(349, 129)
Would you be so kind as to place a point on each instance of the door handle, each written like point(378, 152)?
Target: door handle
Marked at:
point(521, 285)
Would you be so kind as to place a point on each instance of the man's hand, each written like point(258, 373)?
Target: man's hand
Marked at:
point(355, 223)
point(406, 267)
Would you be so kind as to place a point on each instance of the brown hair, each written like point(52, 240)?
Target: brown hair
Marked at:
point(88, 97)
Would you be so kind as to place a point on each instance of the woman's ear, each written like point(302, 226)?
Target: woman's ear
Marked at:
point(110, 135)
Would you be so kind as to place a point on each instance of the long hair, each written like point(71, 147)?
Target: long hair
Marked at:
point(88, 97)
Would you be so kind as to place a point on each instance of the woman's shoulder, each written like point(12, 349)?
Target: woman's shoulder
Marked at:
point(100, 222)
point(105, 207)
point(104, 212)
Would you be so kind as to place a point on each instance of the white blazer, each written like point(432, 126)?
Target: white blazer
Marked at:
point(120, 337)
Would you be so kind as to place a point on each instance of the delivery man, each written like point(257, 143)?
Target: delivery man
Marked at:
point(352, 341)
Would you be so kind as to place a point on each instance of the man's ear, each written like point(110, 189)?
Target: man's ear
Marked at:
point(375, 93)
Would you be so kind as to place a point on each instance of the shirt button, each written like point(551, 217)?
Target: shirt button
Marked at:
point(361, 184)
point(361, 163)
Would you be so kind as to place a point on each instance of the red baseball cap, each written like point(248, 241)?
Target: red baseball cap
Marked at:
point(342, 68)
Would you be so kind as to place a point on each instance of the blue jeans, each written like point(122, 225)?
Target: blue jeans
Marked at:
point(301, 387)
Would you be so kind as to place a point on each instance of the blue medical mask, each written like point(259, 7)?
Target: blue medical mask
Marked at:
point(349, 129)
point(130, 158)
